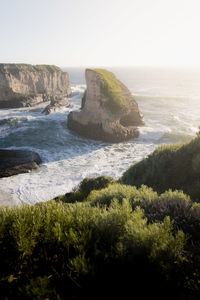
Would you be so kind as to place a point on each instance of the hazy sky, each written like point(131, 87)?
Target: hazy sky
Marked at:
point(100, 32)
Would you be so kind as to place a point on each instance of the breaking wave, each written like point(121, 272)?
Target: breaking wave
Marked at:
point(68, 158)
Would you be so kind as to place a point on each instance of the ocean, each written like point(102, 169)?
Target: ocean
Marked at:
point(169, 100)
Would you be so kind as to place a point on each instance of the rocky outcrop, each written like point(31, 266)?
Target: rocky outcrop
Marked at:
point(27, 85)
point(109, 111)
point(55, 105)
point(13, 162)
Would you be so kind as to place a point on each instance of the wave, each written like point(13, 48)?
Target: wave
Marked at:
point(68, 158)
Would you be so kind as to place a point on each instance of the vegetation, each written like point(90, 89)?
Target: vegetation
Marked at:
point(118, 239)
point(30, 68)
point(169, 166)
point(87, 185)
point(112, 89)
point(108, 238)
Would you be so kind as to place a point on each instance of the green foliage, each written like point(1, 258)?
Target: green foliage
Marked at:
point(71, 251)
point(112, 89)
point(87, 185)
point(120, 192)
point(170, 166)
point(38, 289)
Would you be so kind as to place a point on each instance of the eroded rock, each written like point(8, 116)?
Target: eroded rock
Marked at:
point(108, 112)
point(56, 104)
point(13, 162)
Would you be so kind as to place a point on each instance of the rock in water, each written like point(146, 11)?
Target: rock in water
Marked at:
point(56, 104)
point(109, 111)
point(28, 85)
point(13, 162)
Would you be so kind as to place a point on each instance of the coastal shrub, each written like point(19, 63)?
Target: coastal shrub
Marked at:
point(174, 204)
point(178, 206)
point(80, 193)
point(169, 167)
point(78, 251)
point(120, 192)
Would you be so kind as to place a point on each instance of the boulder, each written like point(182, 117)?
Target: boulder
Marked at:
point(28, 85)
point(13, 162)
point(56, 104)
point(108, 112)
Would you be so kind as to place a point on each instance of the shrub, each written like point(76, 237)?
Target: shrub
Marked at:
point(80, 193)
point(169, 167)
point(78, 251)
point(120, 192)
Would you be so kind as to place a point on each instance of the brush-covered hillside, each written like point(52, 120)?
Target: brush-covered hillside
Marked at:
point(110, 240)
point(102, 241)
point(169, 166)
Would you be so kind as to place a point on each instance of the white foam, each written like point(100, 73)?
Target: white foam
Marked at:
point(68, 158)
point(59, 177)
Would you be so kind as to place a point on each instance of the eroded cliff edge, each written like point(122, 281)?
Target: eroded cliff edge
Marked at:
point(109, 111)
point(27, 85)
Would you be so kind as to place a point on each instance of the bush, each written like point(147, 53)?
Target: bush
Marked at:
point(169, 167)
point(175, 204)
point(78, 251)
point(80, 193)
point(120, 192)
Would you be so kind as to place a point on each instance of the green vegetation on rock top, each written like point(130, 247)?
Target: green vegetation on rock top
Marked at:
point(112, 89)
point(29, 68)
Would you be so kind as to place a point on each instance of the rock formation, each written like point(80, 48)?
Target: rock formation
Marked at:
point(27, 85)
point(13, 162)
point(56, 103)
point(109, 111)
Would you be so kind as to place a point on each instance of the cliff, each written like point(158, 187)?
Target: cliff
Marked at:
point(27, 85)
point(109, 111)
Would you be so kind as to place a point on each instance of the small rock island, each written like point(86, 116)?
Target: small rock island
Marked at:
point(109, 111)
point(28, 85)
point(13, 162)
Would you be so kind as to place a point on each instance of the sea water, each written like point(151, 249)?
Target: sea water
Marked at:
point(169, 100)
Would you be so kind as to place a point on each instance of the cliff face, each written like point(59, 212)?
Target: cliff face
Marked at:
point(109, 111)
point(27, 85)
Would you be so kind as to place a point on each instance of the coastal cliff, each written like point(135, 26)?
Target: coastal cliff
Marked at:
point(109, 111)
point(27, 85)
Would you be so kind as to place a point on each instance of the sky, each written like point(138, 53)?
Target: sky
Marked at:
point(87, 33)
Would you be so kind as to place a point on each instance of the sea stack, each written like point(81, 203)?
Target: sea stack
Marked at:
point(109, 111)
point(28, 85)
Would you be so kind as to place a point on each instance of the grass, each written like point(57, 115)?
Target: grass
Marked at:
point(112, 89)
point(31, 68)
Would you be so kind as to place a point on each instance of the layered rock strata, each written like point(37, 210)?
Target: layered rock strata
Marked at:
point(108, 112)
point(13, 162)
point(28, 85)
